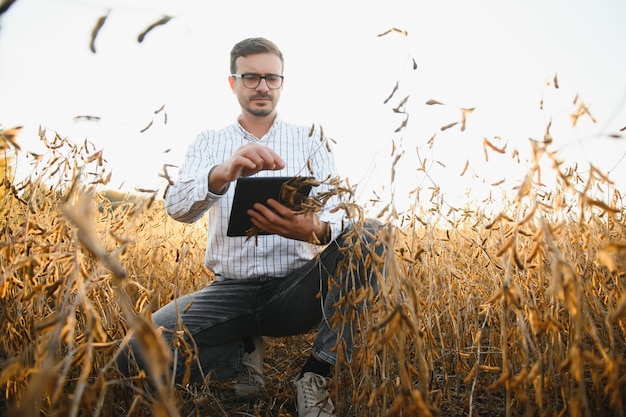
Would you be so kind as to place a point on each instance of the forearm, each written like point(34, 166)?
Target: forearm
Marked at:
point(217, 182)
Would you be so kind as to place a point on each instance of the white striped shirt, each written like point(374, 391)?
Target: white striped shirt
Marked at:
point(269, 255)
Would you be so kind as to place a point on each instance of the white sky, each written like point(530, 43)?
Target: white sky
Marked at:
point(494, 56)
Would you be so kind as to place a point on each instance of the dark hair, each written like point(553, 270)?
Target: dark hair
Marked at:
point(253, 46)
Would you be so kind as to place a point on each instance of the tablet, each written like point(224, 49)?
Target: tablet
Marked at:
point(251, 190)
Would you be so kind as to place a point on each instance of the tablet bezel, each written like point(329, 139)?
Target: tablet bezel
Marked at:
point(251, 190)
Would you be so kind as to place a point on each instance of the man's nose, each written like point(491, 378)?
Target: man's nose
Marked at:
point(263, 86)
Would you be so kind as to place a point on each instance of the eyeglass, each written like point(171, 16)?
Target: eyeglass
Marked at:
point(252, 81)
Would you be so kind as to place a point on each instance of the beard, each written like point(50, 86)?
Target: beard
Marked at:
point(259, 111)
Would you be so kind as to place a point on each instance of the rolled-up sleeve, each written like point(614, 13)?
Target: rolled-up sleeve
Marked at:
point(189, 197)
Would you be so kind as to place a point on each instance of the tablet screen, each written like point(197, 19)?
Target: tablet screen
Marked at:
point(251, 190)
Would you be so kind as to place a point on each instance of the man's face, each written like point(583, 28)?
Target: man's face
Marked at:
point(260, 101)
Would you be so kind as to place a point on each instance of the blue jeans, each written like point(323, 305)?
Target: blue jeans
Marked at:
point(220, 315)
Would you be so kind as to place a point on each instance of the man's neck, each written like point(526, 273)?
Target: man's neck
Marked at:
point(258, 126)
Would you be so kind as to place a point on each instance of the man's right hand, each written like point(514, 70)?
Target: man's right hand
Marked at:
point(246, 161)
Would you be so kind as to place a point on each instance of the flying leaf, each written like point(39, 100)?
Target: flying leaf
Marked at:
point(403, 32)
point(4, 6)
point(96, 30)
point(395, 88)
point(87, 118)
point(400, 107)
point(147, 127)
point(403, 125)
point(448, 126)
point(494, 147)
point(166, 174)
point(432, 102)
point(159, 22)
point(464, 113)
point(465, 168)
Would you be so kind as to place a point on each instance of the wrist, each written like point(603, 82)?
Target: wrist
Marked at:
point(216, 186)
point(321, 231)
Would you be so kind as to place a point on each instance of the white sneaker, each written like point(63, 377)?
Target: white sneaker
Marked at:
point(312, 396)
point(250, 380)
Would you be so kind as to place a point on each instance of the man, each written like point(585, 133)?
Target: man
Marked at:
point(269, 285)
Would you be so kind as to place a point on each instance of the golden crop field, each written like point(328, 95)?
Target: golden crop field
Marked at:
point(521, 313)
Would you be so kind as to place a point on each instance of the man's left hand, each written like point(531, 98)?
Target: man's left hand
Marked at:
point(281, 220)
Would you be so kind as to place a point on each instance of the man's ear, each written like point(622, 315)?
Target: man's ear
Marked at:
point(231, 81)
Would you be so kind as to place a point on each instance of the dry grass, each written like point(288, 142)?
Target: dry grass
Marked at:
point(518, 313)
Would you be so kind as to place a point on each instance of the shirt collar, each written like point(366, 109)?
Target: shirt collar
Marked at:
point(249, 136)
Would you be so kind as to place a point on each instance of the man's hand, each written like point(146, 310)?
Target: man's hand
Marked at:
point(246, 161)
point(283, 221)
